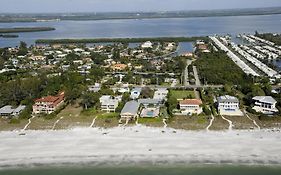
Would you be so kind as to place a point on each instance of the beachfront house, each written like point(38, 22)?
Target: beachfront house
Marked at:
point(265, 104)
point(9, 111)
point(135, 93)
point(229, 105)
point(190, 106)
point(109, 103)
point(161, 94)
point(49, 104)
point(130, 110)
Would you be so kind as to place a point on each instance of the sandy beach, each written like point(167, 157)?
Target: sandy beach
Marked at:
point(139, 144)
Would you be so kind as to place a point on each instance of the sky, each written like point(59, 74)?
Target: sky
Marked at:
point(50, 6)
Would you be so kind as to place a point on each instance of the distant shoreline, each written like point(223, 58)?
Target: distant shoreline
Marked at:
point(120, 40)
point(25, 29)
point(11, 17)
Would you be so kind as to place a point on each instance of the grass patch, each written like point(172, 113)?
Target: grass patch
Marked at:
point(89, 112)
point(202, 120)
point(108, 115)
point(188, 122)
point(182, 94)
point(150, 120)
point(14, 121)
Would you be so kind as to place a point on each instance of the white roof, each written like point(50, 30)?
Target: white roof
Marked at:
point(227, 98)
point(265, 99)
point(10, 110)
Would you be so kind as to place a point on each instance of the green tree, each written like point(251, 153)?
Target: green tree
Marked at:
point(23, 48)
point(89, 99)
point(1, 63)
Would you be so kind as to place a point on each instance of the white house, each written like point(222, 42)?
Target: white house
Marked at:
point(161, 94)
point(78, 50)
point(190, 106)
point(9, 111)
point(265, 104)
point(135, 93)
point(109, 103)
point(94, 88)
point(229, 105)
point(146, 45)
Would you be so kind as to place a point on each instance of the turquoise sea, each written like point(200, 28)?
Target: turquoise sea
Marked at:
point(148, 170)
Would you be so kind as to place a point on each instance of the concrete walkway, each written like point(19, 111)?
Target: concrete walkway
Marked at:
point(229, 122)
point(93, 122)
point(29, 122)
point(211, 122)
point(255, 123)
point(165, 123)
point(55, 124)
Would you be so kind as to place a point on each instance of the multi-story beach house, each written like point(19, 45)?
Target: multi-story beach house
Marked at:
point(49, 104)
point(229, 105)
point(190, 106)
point(265, 104)
point(130, 110)
point(109, 103)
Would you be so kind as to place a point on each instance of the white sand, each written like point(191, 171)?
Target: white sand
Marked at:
point(139, 145)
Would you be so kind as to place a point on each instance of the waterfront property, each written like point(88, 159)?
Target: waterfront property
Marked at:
point(109, 103)
point(48, 105)
point(130, 110)
point(190, 106)
point(229, 105)
point(265, 104)
point(9, 111)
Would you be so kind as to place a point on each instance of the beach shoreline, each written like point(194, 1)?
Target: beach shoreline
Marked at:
point(138, 145)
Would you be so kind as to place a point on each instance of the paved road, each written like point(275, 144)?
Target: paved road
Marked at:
point(198, 83)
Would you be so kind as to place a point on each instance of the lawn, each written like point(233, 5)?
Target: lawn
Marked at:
point(152, 122)
point(189, 122)
point(219, 124)
point(5, 125)
point(241, 122)
point(107, 120)
point(149, 120)
point(182, 94)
